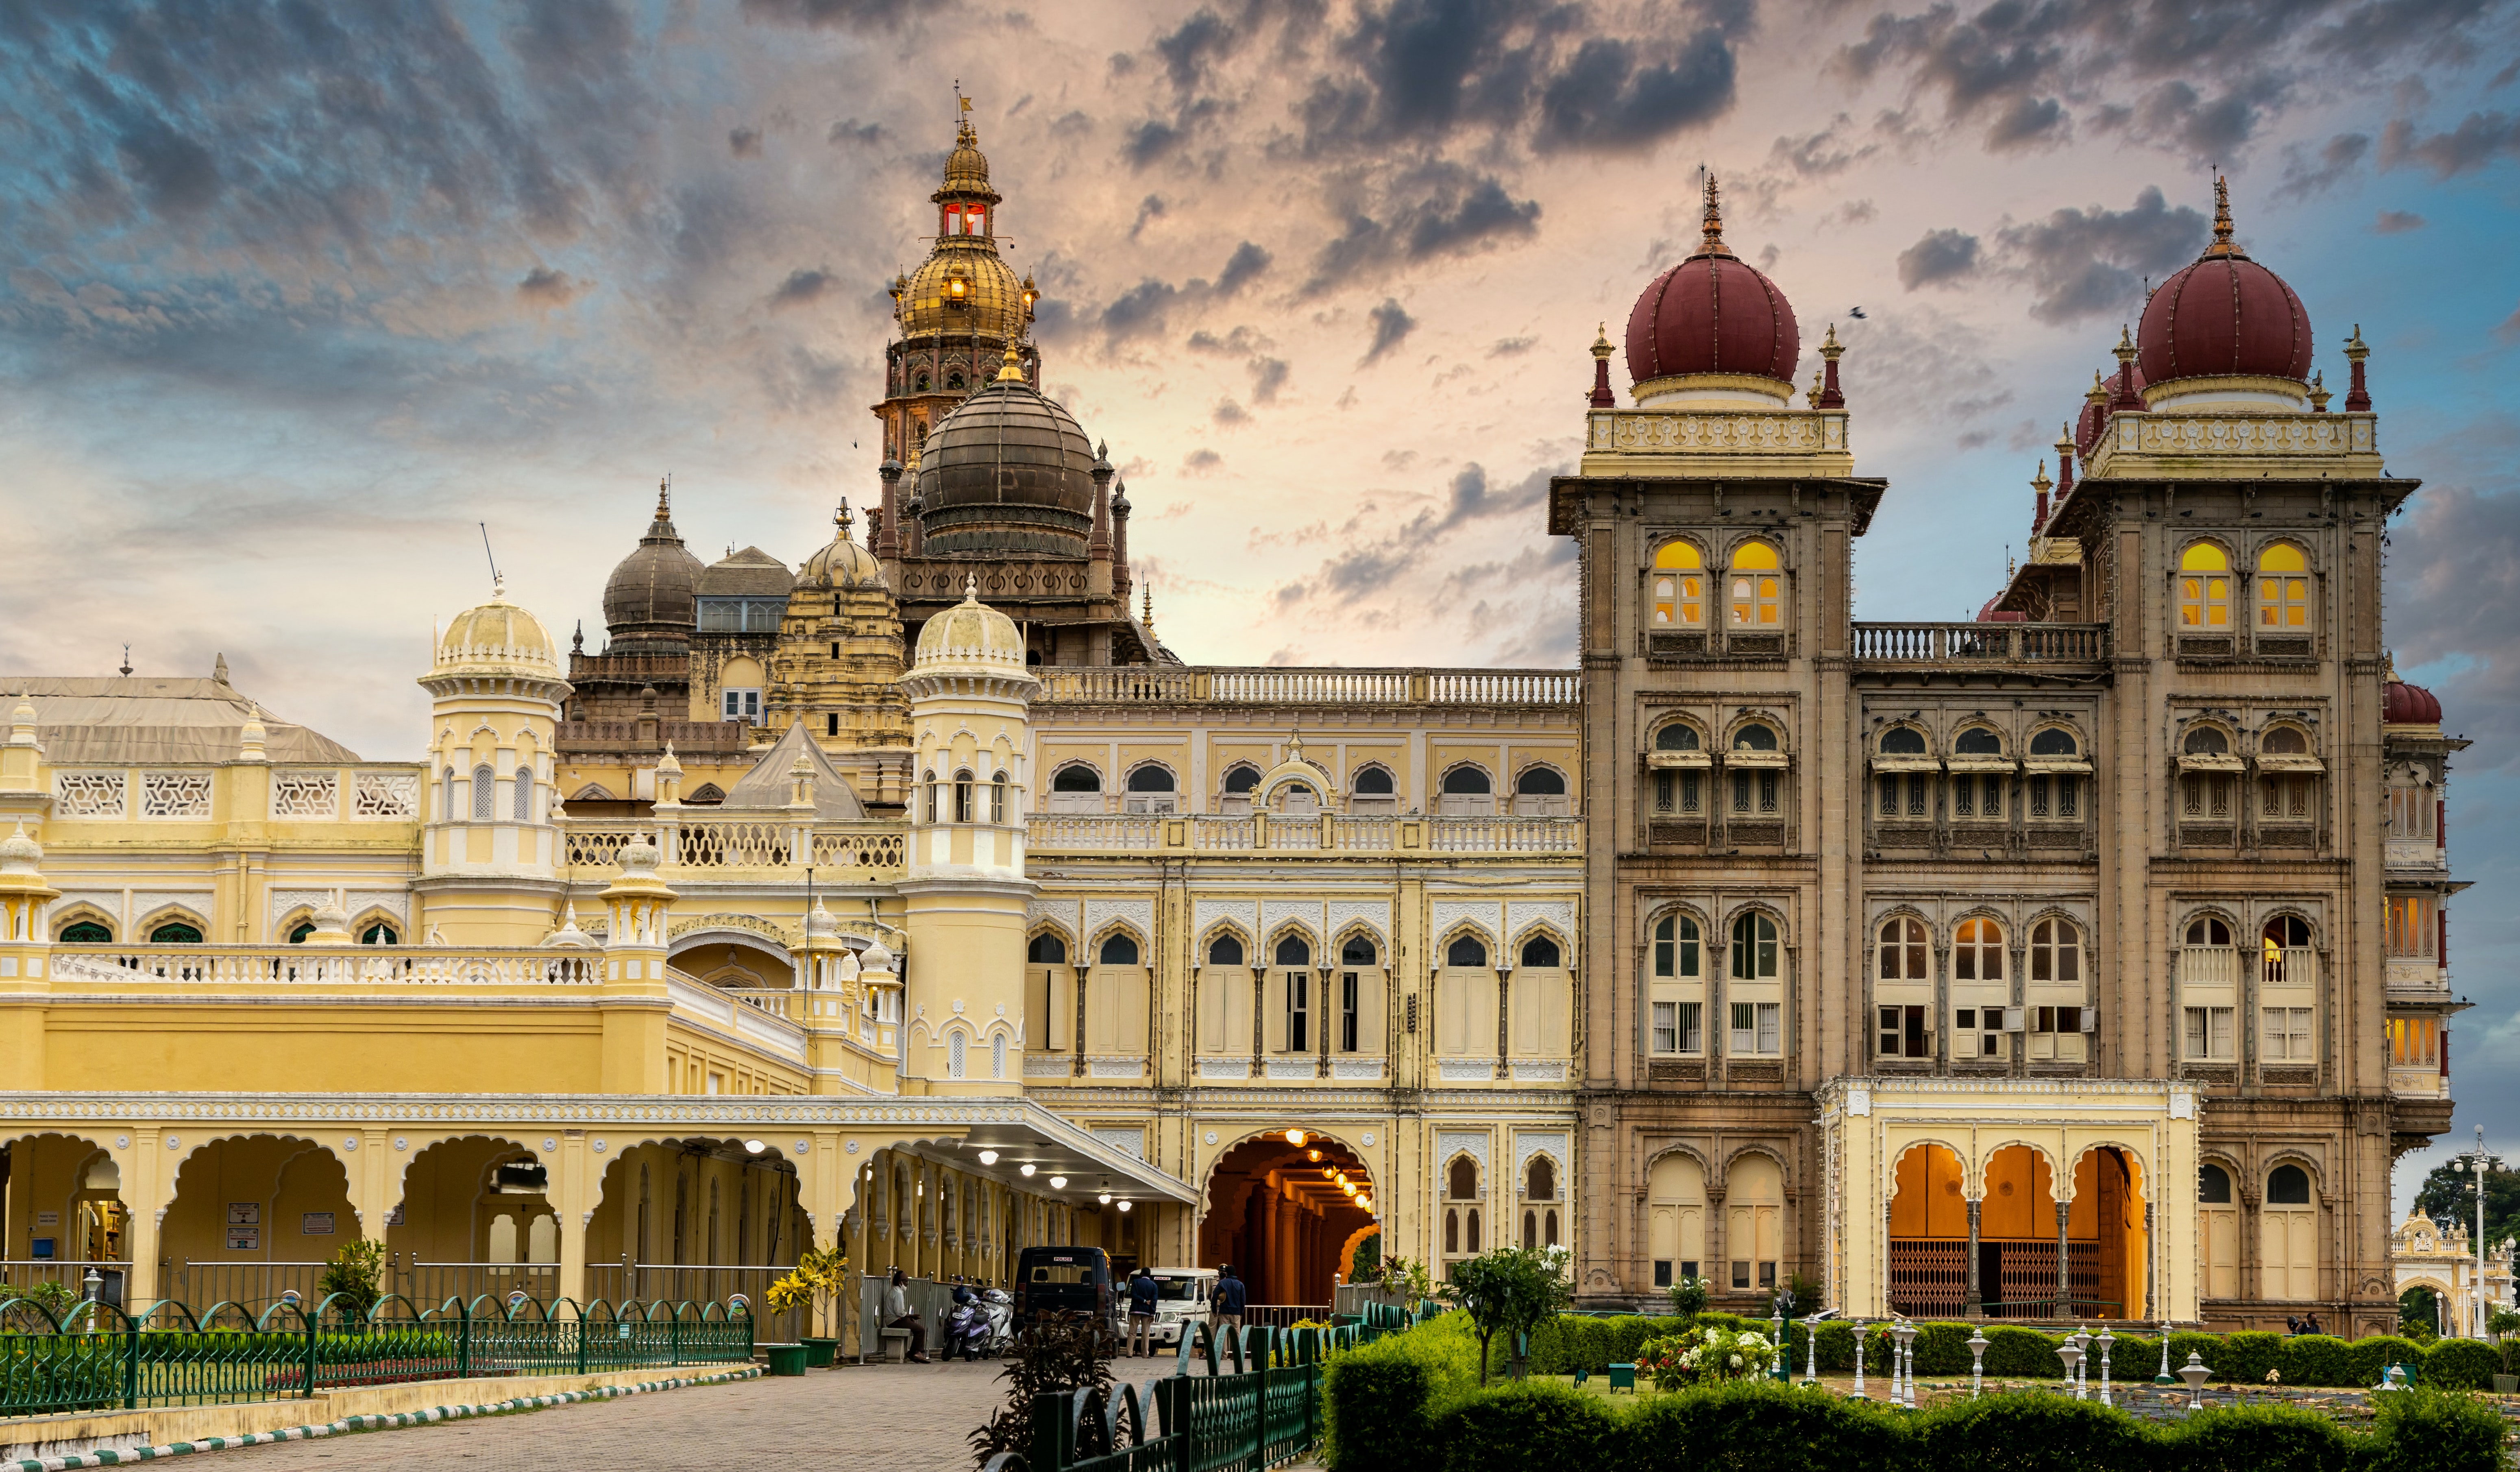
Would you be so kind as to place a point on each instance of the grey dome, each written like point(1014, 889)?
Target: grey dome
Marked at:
point(649, 601)
point(1007, 471)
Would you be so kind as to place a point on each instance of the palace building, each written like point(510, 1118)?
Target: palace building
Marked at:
point(2089, 957)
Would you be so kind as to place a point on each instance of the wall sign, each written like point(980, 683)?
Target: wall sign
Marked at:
point(48, 1219)
point(315, 1224)
point(245, 1239)
point(245, 1214)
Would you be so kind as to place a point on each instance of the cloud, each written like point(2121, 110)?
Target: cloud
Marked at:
point(1943, 257)
point(1241, 268)
point(1146, 309)
point(1436, 211)
point(1229, 414)
point(745, 143)
point(2028, 121)
point(2396, 222)
point(1392, 324)
point(2090, 263)
point(2336, 157)
point(1613, 95)
point(2454, 600)
point(2478, 139)
point(829, 15)
point(1268, 376)
point(544, 289)
point(803, 288)
point(1511, 347)
point(850, 130)
point(1200, 461)
point(1149, 142)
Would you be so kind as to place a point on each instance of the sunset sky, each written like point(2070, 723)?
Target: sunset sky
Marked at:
point(294, 296)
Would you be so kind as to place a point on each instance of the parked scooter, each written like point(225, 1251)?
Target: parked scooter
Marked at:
point(967, 1331)
point(1000, 1307)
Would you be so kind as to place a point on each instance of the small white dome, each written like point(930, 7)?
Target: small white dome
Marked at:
point(971, 632)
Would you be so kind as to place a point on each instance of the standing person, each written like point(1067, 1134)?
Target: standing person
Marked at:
point(1227, 1313)
point(1141, 1312)
point(897, 1315)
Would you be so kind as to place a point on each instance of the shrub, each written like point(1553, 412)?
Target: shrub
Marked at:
point(1689, 1296)
point(2246, 1356)
point(2460, 1364)
point(2259, 1439)
point(2426, 1430)
point(1379, 1400)
point(2366, 1359)
point(1760, 1426)
point(2031, 1432)
point(356, 1272)
point(2014, 1352)
point(1517, 1426)
point(1706, 1355)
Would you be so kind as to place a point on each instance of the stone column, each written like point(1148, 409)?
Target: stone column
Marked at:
point(2064, 1262)
point(1975, 1307)
point(572, 1195)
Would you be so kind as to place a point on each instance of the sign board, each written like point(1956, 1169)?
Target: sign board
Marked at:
point(48, 1219)
point(245, 1214)
point(245, 1239)
point(315, 1224)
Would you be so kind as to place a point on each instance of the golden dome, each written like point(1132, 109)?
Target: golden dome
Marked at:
point(967, 168)
point(963, 286)
point(497, 639)
point(971, 632)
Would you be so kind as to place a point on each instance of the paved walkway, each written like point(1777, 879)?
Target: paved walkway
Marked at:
point(878, 1417)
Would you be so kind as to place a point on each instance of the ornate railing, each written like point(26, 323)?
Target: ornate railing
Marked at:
point(1981, 643)
point(1318, 833)
point(1271, 685)
point(327, 965)
point(867, 849)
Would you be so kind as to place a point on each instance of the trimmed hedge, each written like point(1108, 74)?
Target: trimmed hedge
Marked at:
point(2462, 1364)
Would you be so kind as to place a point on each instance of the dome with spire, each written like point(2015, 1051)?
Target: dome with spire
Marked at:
point(1007, 471)
point(2405, 705)
point(971, 632)
point(651, 597)
point(1713, 326)
point(964, 286)
point(2225, 317)
point(497, 639)
point(842, 563)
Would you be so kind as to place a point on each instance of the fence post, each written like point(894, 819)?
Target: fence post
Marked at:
point(309, 1323)
point(1053, 1434)
point(130, 1362)
point(463, 1339)
point(674, 1340)
point(581, 1341)
point(1260, 1416)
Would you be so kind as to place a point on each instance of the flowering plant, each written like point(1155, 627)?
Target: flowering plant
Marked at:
point(1704, 1356)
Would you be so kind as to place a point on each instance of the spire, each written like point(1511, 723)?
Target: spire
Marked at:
point(1830, 351)
point(661, 530)
point(1146, 607)
point(2223, 245)
point(2125, 397)
point(2064, 462)
point(887, 532)
point(2358, 394)
point(1121, 542)
point(1601, 396)
point(1010, 369)
point(1711, 227)
point(2318, 395)
point(840, 521)
point(2040, 485)
point(219, 669)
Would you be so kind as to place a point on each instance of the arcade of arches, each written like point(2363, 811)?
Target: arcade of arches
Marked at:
point(1279, 1211)
point(1952, 1254)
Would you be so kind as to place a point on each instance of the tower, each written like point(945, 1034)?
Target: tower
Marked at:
point(490, 856)
point(964, 896)
point(836, 667)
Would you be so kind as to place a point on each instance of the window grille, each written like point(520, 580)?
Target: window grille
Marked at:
point(175, 795)
point(88, 794)
point(306, 795)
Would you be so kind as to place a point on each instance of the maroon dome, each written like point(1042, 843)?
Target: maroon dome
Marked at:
point(1712, 313)
point(2405, 705)
point(2224, 315)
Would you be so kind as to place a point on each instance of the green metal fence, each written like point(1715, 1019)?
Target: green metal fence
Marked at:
point(95, 1356)
point(1237, 1401)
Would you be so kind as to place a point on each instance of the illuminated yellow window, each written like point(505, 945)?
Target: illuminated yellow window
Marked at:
point(2283, 587)
point(2205, 587)
point(1758, 587)
point(1679, 588)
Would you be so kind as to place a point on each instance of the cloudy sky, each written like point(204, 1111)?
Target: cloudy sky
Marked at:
point(295, 295)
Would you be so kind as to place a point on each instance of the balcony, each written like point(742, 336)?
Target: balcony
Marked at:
point(1912, 646)
point(1170, 685)
point(326, 965)
point(1325, 835)
point(715, 847)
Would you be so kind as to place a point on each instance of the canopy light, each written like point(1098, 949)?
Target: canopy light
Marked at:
point(1027, 1168)
point(754, 1146)
point(1348, 1187)
point(1365, 1199)
point(988, 1157)
point(1058, 1182)
point(1315, 1156)
point(1124, 1206)
point(1294, 1136)
point(1104, 1198)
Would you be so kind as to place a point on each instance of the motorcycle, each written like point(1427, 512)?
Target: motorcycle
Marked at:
point(999, 1307)
point(966, 1328)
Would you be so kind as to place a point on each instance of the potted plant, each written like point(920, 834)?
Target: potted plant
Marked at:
point(812, 1284)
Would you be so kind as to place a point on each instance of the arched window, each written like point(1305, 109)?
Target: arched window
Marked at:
point(1076, 776)
point(1540, 1181)
point(2054, 742)
point(86, 933)
point(378, 934)
point(1466, 950)
point(707, 794)
point(1679, 588)
point(1540, 950)
point(1462, 1180)
point(1903, 741)
point(2205, 587)
point(2283, 587)
point(298, 933)
point(1357, 950)
point(2213, 1186)
point(998, 1057)
point(175, 932)
point(1758, 587)
point(1676, 947)
point(1466, 781)
point(1294, 950)
point(954, 1046)
point(1676, 736)
point(1754, 947)
point(963, 795)
point(485, 793)
point(954, 380)
point(1047, 949)
point(1242, 776)
point(1119, 951)
point(525, 795)
point(1224, 951)
point(1977, 952)
point(997, 798)
point(2206, 930)
point(2290, 1226)
point(1755, 737)
point(1371, 782)
point(1151, 778)
point(1903, 953)
point(2206, 741)
point(1977, 741)
point(2283, 741)
point(2056, 951)
point(1540, 782)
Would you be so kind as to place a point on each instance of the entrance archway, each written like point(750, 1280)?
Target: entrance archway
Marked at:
point(1929, 1234)
point(1281, 1212)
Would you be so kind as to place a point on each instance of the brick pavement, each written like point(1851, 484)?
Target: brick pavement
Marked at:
point(864, 1418)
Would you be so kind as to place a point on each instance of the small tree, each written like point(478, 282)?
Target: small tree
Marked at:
point(1406, 1278)
point(812, 1283)
point(357, 1273)
point(1510, 1291)
point(1689, 1296)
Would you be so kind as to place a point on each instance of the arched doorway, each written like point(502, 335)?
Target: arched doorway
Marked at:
point(1282, 1209)
point(1929, 1234)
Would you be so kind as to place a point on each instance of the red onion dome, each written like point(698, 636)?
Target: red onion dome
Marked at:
point(2405, 705)
point(2225, 316)
point(1713, 313)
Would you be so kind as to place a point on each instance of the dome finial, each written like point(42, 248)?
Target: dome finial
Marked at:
point(970, 587)
point(1147, 606)
point(2223, 245)
point(1010, 370)
point(840, 520)
point(1711, 229)
point(666, 497)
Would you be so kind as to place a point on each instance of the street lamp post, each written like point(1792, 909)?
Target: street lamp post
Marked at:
point(2479, 1162)
point(1902, 1365)
point(2196, 1374)
point(2072, 1354)
point(2163, 1378)
point(2083, 1363)
point(1810, 1350)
